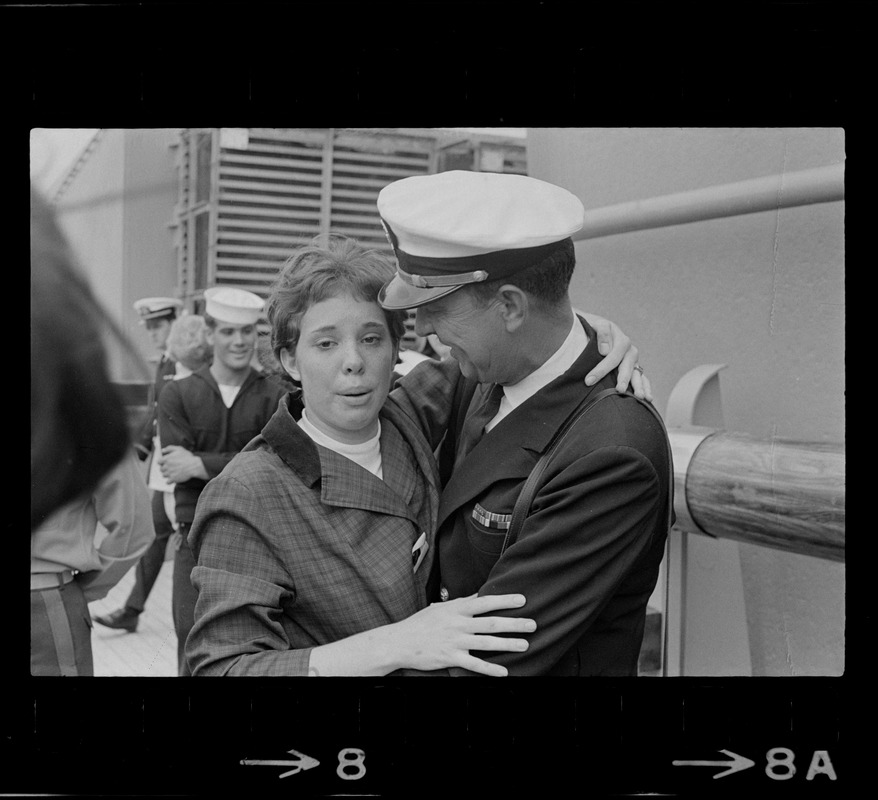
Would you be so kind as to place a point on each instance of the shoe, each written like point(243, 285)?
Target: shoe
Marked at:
point(123, 619)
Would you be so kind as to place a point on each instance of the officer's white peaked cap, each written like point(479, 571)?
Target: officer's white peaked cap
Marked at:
point(459, 227)
point(157, 307)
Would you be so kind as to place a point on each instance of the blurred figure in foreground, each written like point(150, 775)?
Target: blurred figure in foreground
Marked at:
point(78, 422)
point(83, 468)
point(77, 555)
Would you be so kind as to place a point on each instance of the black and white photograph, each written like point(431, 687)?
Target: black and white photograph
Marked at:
point(741, 229)
point(695, 528)
point(553, 415)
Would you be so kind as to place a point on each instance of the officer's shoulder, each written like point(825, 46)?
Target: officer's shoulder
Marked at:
point(618, 411)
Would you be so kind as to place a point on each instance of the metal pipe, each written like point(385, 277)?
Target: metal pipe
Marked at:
point(781, 494)
point(804, 187)
point(684, 443)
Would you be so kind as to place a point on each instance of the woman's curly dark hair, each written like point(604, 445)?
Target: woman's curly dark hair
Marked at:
point(328, 266)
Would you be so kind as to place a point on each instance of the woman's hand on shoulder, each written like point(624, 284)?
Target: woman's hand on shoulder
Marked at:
point(619, 353)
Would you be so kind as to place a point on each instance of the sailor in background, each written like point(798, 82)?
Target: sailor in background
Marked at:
point(157, 314)
point(205, 419)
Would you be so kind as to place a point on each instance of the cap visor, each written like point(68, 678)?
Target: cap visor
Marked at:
point(398, 295)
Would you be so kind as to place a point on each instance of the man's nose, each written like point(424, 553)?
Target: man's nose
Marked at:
point(423, 326)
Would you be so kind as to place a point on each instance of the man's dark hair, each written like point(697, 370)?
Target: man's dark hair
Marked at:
point(547, 281)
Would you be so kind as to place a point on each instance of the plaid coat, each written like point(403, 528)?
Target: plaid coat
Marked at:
point(298, 546)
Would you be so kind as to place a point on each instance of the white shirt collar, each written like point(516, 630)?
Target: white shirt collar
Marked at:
point(367, 454)
point(557, 364)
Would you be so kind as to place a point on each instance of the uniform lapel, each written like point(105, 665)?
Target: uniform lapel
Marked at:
point(510, 449)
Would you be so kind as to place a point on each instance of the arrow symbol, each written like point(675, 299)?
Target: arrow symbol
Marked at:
point(737, 764)
point(300, 762)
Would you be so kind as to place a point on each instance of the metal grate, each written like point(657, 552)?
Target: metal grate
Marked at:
point(264, 191)
point(269, 197)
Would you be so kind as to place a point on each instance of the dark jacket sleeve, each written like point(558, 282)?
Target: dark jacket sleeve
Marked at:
point(173, 421)
point(588, 525)
point(143, 439)
point(176, 428)
point(426, 395)
point(214, 463)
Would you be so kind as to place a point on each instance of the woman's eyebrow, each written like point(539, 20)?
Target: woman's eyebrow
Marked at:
point(333, 328)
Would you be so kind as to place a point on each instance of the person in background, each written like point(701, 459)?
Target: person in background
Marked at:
point(188, 345)
point(157, 314)
point(205, 419)
point(486, 259)
point(266, 361)
point(406, 361)
point(190, 350)
point(83, 470)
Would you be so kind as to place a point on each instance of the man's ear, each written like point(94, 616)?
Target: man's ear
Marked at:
point(514, 306)
point(288, 362)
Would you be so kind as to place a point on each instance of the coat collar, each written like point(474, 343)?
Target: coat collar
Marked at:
point(514, 442)
point(343, 483)
point(295, 448)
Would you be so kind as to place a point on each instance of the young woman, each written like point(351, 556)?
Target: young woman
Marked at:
point(314, 544)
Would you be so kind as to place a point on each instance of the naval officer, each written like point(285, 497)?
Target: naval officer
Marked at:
point(486, 260)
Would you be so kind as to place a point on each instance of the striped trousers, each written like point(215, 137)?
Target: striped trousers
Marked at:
point(60, 632)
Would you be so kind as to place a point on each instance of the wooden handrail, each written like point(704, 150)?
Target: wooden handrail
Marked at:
point(781, 494)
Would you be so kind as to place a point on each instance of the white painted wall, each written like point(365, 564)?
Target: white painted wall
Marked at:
point(762, 293)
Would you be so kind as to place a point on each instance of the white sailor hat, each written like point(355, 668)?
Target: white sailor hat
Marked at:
point(454, 228)
point(157, 307)
point(234, 306)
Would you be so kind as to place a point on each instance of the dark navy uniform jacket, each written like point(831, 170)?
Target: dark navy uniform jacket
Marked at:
point(588, 555)
point(166, 370)
point(192, 414)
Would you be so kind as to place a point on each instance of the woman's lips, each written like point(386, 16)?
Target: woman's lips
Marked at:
point(356, 395)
